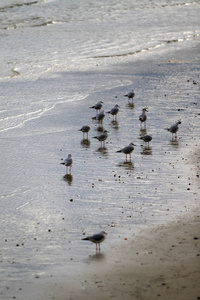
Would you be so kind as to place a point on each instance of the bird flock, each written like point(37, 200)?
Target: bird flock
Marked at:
point(127, 150)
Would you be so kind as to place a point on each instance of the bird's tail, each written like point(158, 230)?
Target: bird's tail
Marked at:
point(95, 137)
point(85, 239)
point(119, 151)
point(166, 129)
point(62, 163)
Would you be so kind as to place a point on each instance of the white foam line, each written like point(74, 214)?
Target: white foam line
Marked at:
point(22, 205)
point(40, 113)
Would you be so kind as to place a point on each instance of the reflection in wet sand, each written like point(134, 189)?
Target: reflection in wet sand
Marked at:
point(128, 165)
point(102, 150)
point(100, 128)
point(130, 105)
point(114, 124)
point(85, 143)
point(143, 131)
point(68, 178)
point(97, 257)
point(146, 151)
point(174, 143)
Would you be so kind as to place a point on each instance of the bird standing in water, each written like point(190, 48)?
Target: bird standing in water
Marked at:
point(143, 117)
point(127, 150)
point(114, 111)
point(130, 95)
point(68, 163)
point(174, 128)
point(96, 238)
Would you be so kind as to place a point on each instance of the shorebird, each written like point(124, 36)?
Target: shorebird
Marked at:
point(147, 139)
point(96, 238)
point(68, 163)
point(100, 116)
point(102, 137)
point(130, 95)
point(173, 129)
point(85, 129)
point(143, 117)
point(97, 106)
point(114, 111)
point(127, 150)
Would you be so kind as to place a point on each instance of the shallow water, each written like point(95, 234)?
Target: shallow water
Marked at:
point(45, 213)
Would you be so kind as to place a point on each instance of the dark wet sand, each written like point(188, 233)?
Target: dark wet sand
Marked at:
point(161, 262)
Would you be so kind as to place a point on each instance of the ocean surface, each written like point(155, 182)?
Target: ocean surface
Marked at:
point(58, 58)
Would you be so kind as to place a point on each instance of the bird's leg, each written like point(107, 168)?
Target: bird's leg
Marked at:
point(130, 157)
point(99, 247)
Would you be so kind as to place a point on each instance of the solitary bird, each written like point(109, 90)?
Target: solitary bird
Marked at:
point(100, 116)
point(96, 238)
point(130, 95)
point(174, 128)
point(127, 150)
point(85, 129)
point(97, 106)
point(68, 163)
point(114, 111)
point(102, 137)
point(143, 117)
point(147, 139)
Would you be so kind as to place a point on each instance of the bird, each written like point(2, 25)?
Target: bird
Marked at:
point(96, 238)
point(114, 111)
point(127, 150)
point(68, 163)
point(174, 128)
point(97, 106)
point(130, 95)
point(100, 116)
point(102, 137)
point(85, 129)
point(146, 138)
point(143, 117)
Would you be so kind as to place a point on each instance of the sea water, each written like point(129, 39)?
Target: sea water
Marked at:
point(58, 58)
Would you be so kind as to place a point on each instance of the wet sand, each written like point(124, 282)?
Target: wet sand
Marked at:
point(162, 262)
point(159, 262)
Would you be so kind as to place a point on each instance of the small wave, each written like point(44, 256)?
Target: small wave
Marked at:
point(187, 37)
point(15, 5)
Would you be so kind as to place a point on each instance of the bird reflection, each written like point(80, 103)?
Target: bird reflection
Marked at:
point(128, 165)
point(85, 143)
point(174, 143)
point(100, 129)
point(143, 131)
point(130, 105)
point(146, 151)
point(97, 257)
point(68, 178)
point(103, 150)
point(114, 124)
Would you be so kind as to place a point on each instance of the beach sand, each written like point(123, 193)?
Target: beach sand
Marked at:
point(161, 262)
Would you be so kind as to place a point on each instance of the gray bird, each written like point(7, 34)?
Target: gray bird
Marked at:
point(127, 150)
point(85, 129)
point(174, 128)
point(143, 117)
point(114, 111)
point(68, 163)
point(96, 238)
point(100, 116)
point(147, 139)
point(130, 95)
point(97, 106)
point(102, 137)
